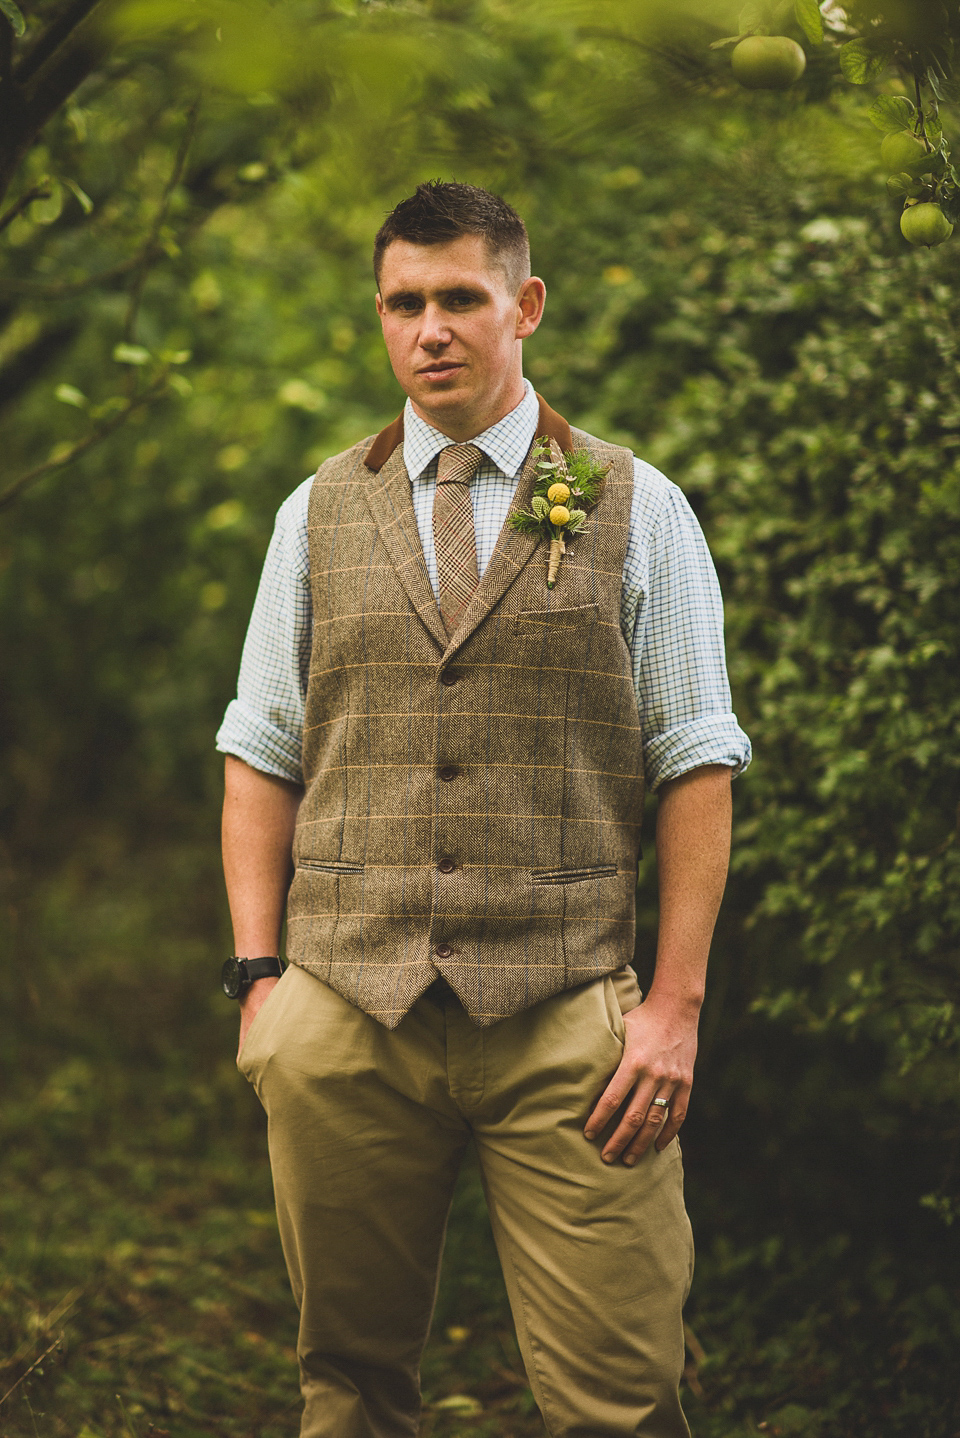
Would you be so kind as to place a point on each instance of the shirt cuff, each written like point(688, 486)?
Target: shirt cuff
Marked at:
point(250, 737)
point(715, 739)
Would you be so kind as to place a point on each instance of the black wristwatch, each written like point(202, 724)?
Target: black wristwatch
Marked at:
point(237, 975)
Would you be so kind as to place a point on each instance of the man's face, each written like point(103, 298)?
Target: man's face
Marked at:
point(453, 330)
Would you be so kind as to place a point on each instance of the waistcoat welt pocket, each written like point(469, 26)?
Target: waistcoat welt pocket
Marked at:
point(330, 866)
point(573, 876)
point(551, 617)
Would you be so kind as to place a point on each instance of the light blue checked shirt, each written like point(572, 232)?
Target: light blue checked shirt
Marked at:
point(671, 613)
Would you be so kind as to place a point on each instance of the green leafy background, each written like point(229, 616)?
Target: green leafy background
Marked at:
point(729, 294)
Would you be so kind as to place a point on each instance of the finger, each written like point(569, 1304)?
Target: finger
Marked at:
point(609, 1102)
point(631, 1123)
point(662, 1132)
point(656, 1119)
point(678, 1113)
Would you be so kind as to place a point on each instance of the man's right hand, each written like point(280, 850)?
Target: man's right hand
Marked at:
point(251, 1004)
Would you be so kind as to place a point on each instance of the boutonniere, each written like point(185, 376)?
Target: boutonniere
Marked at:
point(567, 486)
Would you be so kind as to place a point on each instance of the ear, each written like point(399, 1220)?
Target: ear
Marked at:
point(379, 305)
point(531, 299)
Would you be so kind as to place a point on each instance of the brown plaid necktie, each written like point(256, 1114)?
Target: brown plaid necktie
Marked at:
point(454, 539)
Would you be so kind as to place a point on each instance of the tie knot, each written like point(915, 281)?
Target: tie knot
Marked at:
point(458, 463)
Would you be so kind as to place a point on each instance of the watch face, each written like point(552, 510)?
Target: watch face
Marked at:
point(231, 978)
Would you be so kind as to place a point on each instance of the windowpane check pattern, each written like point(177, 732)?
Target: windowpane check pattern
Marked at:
point(671, 613)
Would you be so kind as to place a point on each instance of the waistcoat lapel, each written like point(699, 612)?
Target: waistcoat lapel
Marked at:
point(511, 552)
point(391, 502)
point(514, 547)
point(390, 499)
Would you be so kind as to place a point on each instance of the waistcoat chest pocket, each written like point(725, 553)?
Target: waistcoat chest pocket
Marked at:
point(580, 616)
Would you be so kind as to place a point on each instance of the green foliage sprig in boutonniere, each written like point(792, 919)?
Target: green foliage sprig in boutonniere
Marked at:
point(567, 486)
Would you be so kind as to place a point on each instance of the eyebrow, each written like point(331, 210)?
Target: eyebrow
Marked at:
point(397, 297)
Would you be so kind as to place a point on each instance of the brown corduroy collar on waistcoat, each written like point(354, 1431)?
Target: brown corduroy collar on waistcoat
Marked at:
point(550, 425)
point(472, 804)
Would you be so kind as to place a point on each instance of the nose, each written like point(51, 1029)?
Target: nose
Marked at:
point(434, 328)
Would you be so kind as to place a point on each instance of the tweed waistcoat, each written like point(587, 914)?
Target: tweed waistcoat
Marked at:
point(472, 806)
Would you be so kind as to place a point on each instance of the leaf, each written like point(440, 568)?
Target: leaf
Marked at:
point(69, 394)
point(754, 19)
point(943, 87)
point(519, 520)
point(892, 112)
point(460, 1403)
point(862, 62)
point(727, 40)
point(899, 185)
point(14, 15)
point(130, 354)
point(86, 204)
point(810, 20)
point(45, 211)
point(950, 203)
point(934, 128)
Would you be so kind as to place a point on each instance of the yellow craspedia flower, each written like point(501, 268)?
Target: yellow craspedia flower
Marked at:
point(560, 514)
point(558, 493)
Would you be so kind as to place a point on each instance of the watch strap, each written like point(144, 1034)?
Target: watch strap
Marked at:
point(270, 967)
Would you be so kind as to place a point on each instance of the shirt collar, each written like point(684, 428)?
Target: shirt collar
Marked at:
point(505, 443)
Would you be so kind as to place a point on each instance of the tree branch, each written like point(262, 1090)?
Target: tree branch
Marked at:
point(51, 290)
point(52, 38)
point(25, 365)
point(27, 108)
point(150, 243)
point(687, 63)
point(39, 192)
point(149, 396)
point(9, 95)
point(56, 80)
point(6, 51)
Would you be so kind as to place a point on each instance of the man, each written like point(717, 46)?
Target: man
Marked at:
point(436, 765)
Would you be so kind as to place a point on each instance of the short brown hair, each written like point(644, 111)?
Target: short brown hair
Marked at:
point(443, 210)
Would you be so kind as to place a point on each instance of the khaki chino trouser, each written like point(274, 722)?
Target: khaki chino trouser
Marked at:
point(367, 1129)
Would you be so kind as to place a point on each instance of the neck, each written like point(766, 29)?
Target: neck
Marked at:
point(466, 423)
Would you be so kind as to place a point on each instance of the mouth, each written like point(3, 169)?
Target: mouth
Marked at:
point(439, 370)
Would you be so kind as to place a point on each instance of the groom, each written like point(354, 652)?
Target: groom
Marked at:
point(436, 769)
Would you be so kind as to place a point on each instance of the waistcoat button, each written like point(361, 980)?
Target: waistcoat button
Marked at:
point(446, 866)
point(443, 951)
point(448, 772)
point(448, 679)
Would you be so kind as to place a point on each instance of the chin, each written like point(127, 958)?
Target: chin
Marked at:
point(441, 388)
point(442, 399)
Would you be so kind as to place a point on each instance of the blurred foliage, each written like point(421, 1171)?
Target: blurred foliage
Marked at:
point(188, 313)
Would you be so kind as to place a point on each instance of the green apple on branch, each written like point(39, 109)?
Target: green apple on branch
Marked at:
point(925, 224)
point(906, 48)
point(768, 62)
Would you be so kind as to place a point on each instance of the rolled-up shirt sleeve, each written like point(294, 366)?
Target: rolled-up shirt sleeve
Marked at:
point(263, 726)
point(672, 620)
